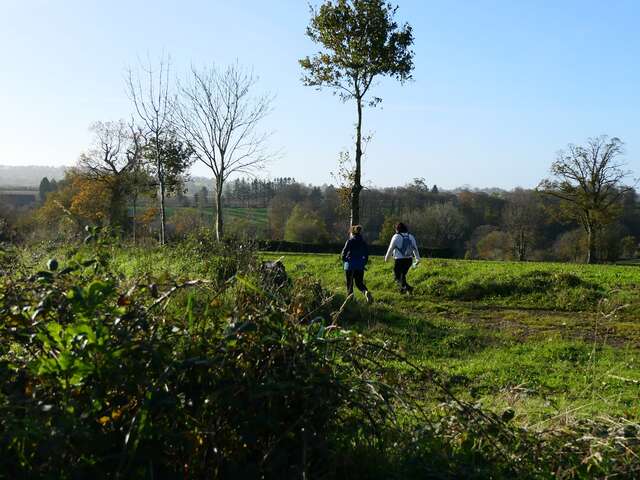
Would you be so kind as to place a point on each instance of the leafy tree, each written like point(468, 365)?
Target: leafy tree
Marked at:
point(629, 246)
point(278, 212)
point(571, 246)
point(167, 160)
point(44, 189)
point(496, 245)
point(305, 226)
point(387, 231)
point(588, 181)
point(80, 201)
point(115, 154)
point(438, 225)
point(360, 41)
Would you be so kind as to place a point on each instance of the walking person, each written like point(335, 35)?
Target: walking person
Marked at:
point(403, 248)
point(355, 256)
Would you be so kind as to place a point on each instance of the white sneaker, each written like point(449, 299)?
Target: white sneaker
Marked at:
point(368, 296)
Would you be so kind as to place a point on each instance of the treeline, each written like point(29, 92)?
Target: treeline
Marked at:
point(516, 225)
point(498, 225)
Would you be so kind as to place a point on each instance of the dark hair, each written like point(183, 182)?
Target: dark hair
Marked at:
point(356, 229)
point(401, 228)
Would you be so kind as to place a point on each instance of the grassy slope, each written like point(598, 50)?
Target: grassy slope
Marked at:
point(544, 339)
point(257, 215)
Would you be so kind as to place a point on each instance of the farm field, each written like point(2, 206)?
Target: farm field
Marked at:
point(257, 215)
point(554, 342)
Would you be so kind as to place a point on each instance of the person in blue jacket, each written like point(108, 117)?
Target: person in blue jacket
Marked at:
point(355, 256)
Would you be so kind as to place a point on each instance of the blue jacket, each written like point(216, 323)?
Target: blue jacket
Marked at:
point(355, 253)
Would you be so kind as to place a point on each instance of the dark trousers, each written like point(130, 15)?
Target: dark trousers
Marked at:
point(356, 276)
point(401, 267)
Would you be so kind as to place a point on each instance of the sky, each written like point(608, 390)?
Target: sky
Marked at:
point(498, 88)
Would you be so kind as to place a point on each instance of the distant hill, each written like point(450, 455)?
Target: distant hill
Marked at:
point(28, 176)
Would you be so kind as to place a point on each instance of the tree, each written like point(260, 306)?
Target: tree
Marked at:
point(360, 41)
point(218, 117)
point(521, 218)
point(629, 246)
point(494, 245)
point(571, 246)
point(167, 162)
point(150, 92)
point(588, 181)
point(44, 189)
point(439, 225)
point(387, 231)
point(80, 201)
point(116, 152)
point(305, 226)
point(278, 212)
point(139, 182)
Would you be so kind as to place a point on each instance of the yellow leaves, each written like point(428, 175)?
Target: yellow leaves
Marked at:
point(115, 416)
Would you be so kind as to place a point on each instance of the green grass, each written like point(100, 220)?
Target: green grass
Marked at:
point(544, 339)
point(254, 215)
point(555, 342)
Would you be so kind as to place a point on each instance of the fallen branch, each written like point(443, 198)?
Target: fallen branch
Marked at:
point(175, 288)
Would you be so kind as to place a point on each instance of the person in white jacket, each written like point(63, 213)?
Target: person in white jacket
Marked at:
point(403, 248)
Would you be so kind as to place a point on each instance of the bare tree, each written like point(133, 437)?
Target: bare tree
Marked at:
point(150, 91)
point(112, 157)
point(588, 181)
point(521, 218)
point(217, 117)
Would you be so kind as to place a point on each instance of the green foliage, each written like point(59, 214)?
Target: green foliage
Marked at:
point(100, 377)
point(237, 374)
point(305, 226)
point(360, 41)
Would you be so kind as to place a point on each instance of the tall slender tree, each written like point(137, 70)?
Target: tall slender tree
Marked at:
point(217, 116)
point(150, 91)
point(360, 41)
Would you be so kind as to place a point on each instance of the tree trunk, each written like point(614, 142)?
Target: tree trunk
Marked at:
point(163, 218)
point(356, 188)
point(134, 220)
point(117, 207)
point(219, 218)
point(591, 244)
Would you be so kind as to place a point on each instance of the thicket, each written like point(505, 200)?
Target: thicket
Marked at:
point(240, 373)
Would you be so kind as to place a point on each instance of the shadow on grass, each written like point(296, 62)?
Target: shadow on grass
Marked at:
point(425, 337)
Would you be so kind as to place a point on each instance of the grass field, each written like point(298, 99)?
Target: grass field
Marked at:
point(555, 342)
point(257, 215)
point(551, 350)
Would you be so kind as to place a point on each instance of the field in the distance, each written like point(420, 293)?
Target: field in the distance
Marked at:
point(555, 342)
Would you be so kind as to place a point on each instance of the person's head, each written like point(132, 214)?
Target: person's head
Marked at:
point(356, 230)
point(401, 228)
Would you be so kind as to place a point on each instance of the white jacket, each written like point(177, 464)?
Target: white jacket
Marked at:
point(396, 245)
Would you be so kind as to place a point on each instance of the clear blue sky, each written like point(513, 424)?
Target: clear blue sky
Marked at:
point(499, 86)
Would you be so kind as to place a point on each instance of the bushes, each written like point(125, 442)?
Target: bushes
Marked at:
point(100, 378)
point(109, 377)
